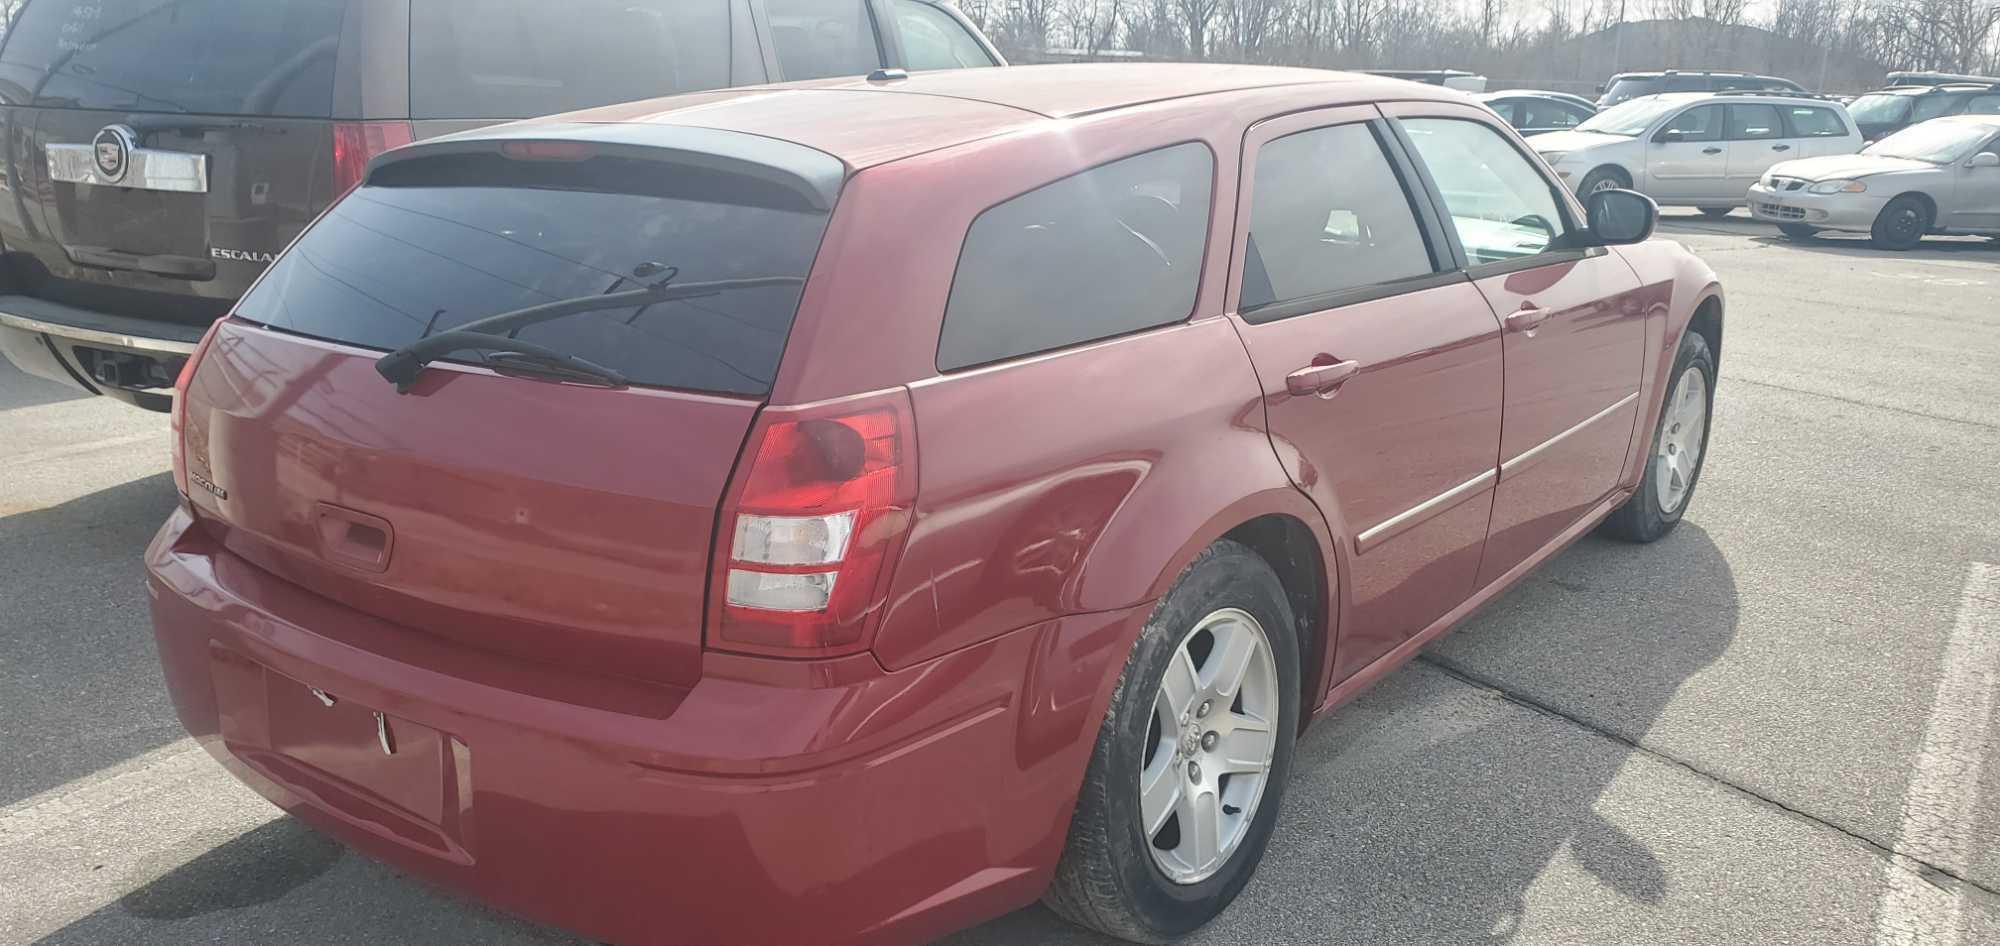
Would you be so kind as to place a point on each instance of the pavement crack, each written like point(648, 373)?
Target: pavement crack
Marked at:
point(1738, 379)
point(1471, 678)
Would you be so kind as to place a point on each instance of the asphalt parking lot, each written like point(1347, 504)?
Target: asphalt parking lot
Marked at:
point(1780, 725)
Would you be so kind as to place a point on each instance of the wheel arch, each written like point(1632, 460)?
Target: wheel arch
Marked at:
point(1284, 528)
point(1929, 202)
point(1707, 322)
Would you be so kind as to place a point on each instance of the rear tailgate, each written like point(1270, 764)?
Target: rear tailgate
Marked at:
point(171, 149)
point(556, 522)
point(561, 522)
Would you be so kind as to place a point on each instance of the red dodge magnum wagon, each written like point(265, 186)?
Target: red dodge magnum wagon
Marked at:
point(845, 512)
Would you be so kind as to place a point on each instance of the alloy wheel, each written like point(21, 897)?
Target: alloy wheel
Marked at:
point(1209, 746)
point(1678, 456)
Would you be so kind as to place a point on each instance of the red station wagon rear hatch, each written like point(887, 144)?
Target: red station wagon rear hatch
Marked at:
point(566, 523)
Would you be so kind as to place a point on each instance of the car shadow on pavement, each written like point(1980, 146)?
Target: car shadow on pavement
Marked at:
point(1857, 245)
point(1426, 810)
point(80, 685)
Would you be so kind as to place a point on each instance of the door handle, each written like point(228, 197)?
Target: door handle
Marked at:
point(1322, 378)
point(1781, 147)
point(1711, 151)
point(1527, 318)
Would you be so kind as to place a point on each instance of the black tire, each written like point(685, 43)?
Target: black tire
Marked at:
point(1641, 519)
point(1798, 231)
point(1902, 224)
point(1715, 213)
point(1607, 176)
point(1107, 879)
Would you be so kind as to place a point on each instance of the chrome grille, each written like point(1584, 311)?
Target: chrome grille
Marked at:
point(1788, 183)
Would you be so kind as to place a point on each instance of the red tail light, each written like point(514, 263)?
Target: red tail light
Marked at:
point(812, 526)
point(355, 142)
point(177, 420)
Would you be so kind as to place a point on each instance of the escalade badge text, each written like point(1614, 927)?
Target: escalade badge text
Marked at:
point(241, 256)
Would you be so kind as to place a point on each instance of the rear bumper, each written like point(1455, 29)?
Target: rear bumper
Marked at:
point(769, 803)
point(134, 360)
point(1824, 211)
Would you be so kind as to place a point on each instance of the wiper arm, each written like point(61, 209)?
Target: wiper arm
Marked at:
point(404, 364)
point(506, 354)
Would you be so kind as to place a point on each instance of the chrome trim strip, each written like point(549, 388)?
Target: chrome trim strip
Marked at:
point(134, 342)
point(147, 169)
point(1528, 456)
point(1423, 510)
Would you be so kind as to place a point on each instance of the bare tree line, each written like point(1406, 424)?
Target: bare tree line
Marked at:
point(1834, 42)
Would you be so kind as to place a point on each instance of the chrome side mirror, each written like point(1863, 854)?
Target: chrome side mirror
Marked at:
point(1619, 217)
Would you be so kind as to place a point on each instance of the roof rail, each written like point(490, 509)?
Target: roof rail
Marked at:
point(1777, 94)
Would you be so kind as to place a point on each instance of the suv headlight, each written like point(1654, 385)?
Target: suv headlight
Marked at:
point(1838, 187)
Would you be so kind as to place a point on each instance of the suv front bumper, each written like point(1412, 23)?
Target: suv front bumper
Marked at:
point(133, 360)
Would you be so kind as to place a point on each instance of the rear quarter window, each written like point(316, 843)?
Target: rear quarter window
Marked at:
point(1810, 122)
point(1108, 251)
point(218, 57)
point(430, 244)
point(509, 59)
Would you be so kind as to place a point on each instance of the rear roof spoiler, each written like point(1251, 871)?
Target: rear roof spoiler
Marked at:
point(811, 173)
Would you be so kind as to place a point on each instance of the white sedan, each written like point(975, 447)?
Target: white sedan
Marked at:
point(1698, 149)
point(1941, 176)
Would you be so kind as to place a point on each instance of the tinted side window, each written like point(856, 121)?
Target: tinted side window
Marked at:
point(820, 38)
point(1754, 122)
point(933, 40)
point(1932, 106)
point(1688, 83)
point(1703, 123)
point(1540, 113)
point(1809, 122)
point(508, 59)
point(1114, 249)
point(1500, 206)
point(1327, 213)
point(1983, 105)
point(218, 57)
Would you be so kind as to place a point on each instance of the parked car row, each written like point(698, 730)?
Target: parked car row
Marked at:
point(1802, 163)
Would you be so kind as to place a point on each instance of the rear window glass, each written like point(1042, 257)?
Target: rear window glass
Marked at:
point(432, 244)
point(1111, 250)
point(933, 40)
point(1630, 88)
point(1810, 122)
point(225, 57)
point(509, 59)
point(820, 38)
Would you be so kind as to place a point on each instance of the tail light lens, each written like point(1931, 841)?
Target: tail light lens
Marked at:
point(177, 419)
point(812, 525)
point(354, 143)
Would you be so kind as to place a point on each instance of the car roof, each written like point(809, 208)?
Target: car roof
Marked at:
point(1693, 72)
point(864, 122)
point(1990, 121)
point(1747, 98)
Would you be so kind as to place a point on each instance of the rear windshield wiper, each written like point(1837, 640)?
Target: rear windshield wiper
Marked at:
point(502, 354)
point(402, 366)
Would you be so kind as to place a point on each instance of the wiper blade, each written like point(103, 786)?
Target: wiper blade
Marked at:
point(404, 364)
point(503, 354)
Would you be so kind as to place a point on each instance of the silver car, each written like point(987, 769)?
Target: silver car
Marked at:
point(1941, 176)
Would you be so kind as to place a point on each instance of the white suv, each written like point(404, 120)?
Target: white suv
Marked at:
point(1696, 149)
